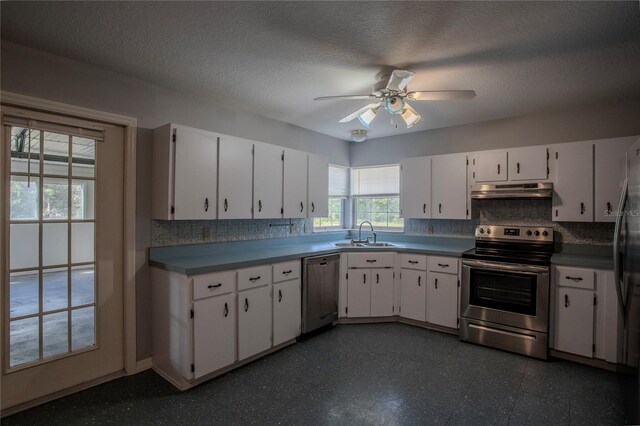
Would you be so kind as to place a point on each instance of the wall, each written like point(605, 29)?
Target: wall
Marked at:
point(596, 121)
point(35, 73)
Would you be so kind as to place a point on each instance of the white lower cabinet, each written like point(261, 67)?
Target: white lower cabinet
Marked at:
point(382, 293)
point(442, 299)
point(359, 293)
point(413, 293)
point(254, 321)
point(286, 311)
point(214, 330)
point(574, 321)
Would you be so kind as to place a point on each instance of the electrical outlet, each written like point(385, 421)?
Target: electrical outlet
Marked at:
point(206, 233)
point(430, 229)
point(294, 227)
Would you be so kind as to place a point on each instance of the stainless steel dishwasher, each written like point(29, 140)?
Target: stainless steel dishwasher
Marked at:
point(320, 291)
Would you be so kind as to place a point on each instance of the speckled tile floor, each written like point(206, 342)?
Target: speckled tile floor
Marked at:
point(359, 374)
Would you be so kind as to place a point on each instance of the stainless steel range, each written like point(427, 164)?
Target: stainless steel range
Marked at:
point(505, 289)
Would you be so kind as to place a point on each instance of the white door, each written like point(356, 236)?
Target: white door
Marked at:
point(573, 186)
point(63, 247)
point(267, 181)
point(214, 333)
point(449, 186)
point(318, 204)
point(442, 300)
point(295, 183)
point(235, 178)
point(490, 166)
point(415, 187)
point(610, 171)
point(413, 294)
point(286, 311)
point(574, 321)
point(382, 293)
point(254, 321)
point(528, 163)
point(359, 293)
point(195, 174)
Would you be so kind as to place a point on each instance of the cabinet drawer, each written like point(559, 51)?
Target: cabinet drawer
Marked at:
point(370, 260)
point(213, 284)
point(286, 271)
point(414, 261)
point(448, 265)
point(254, 277)
point(575, 277)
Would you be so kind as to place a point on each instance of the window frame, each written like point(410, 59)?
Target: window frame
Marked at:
point(354, 202)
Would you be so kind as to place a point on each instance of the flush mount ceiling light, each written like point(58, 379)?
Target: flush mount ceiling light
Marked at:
point(393, 97)
point(359, 135)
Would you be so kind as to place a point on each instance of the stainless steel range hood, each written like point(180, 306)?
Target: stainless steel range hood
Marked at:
point(512, 190)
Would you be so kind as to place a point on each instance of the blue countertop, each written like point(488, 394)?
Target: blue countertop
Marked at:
point(203, 258)
point(597, 257)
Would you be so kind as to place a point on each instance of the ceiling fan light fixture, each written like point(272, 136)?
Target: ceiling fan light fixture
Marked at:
point(367, 117)
point(394, 104)
point(359, 135)
point(410, 116)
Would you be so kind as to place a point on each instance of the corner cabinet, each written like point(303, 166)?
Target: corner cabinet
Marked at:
point(185, 162)
point(235, 184)
point(370, 284)
point(318, 178)
point(573, 185)
point(415, 188)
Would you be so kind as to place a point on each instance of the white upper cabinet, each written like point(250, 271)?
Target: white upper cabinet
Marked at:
point(610, 161)
point(449, 186)
point(528, 163)
point(295, 183)
point(318, 203)
point(184, 173)
point(415, 187)
point(267, 181)
point(573, 186)
point(235, 174)
point(490, 166)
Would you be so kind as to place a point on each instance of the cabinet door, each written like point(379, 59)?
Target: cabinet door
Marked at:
point(267, 181)
point(490, 166)
point(286, 311)
point(254, 321)
point(529, 163)
point(195, 174)
point(382, 292)
point(235, 174)
point(574, 321)
point(415, 187)
point(214, 334)
point(573, 186)
point(359, 293)
point(295, 183)
point(318, 204)
point(610, 172)
point(449, 186)
point(413, 294)
point(442, 300)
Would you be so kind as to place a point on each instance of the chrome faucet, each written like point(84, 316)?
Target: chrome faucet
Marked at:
point(375, 237)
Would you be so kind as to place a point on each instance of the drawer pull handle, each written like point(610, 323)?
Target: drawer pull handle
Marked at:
point(413, 262)
point(279, 295)
point(573, 278)
point(287, 272)
point(566, 300)
point(443, 265)
point(371, 260)
point(246, 304)
point(226, 309)
point(214, 285)
point(254, 278)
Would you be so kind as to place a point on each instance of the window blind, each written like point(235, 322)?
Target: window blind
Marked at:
point(384, 180)
point(338, 181)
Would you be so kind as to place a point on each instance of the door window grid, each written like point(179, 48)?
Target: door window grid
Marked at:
point(67, 323)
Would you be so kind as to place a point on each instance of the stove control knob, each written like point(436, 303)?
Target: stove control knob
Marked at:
point(537, 233)
point(529, 233)
point(545, 233)
point(488, 231)
point(482, 230)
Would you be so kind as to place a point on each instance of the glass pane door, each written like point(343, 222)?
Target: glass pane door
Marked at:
point(52, 265)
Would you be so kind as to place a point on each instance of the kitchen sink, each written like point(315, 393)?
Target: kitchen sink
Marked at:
point(348, 244)
point(364, 245)
point(379, 245)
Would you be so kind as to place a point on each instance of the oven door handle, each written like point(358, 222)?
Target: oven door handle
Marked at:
point(509, 267)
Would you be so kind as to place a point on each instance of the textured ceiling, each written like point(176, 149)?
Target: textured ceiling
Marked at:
point(273, 58)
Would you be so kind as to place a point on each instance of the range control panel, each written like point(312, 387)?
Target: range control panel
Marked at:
point(509, 233)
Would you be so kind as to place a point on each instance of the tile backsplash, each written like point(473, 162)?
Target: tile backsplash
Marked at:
point(514, 212)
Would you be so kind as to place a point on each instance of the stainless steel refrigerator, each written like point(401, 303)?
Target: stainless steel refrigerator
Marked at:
point(627, 273)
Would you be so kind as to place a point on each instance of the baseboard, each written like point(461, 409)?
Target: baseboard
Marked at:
point(592, 362)
point(376, 320)
point(144, 364)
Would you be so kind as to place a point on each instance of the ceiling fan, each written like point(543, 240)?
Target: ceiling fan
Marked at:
point(393, 97)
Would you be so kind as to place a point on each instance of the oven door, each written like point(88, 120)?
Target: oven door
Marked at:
point(505, 293)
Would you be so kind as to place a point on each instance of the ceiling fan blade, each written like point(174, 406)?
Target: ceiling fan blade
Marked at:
point(359, 112)
point(399, 79)
point(441, 95)
point(332, 98)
